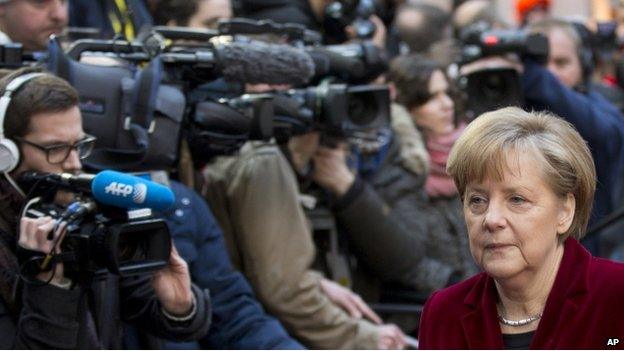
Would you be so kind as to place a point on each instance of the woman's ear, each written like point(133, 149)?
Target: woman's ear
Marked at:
point(566, 213)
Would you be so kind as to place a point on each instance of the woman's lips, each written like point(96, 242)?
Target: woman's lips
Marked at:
point(497, 246)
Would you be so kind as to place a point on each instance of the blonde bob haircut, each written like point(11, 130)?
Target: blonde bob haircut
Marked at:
point(484, 148)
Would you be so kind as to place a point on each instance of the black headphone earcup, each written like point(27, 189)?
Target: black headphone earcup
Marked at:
point(587, 63)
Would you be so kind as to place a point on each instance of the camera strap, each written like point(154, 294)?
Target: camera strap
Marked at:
point(30, 261)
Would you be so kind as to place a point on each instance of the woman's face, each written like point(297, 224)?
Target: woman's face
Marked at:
point(436, 116)
point(513, 224)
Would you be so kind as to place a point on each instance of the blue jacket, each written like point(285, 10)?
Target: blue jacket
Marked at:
point(598, 122)
point(239, 322)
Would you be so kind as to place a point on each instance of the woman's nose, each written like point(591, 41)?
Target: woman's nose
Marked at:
point(494, 219)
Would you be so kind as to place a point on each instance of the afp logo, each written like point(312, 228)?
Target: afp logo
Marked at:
point(138, 191)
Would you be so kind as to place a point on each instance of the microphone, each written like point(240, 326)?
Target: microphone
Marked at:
point(113, 188)
point(128, 191)
point(327, 62)
point(80, 182)
point(257, 62)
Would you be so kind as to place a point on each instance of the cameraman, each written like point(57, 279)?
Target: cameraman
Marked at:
point(256, 199)
point(44, 121)
point(31, 22)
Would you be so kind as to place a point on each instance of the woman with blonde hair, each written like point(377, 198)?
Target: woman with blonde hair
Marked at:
point(527, 182)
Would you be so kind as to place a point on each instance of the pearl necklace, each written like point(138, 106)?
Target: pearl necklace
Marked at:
point(519, 323)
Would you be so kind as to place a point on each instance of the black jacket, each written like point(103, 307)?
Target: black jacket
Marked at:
point(401, 234)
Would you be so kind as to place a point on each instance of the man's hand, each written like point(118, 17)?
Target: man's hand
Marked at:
point(391, 338)
point(302, 148)
point(172, 285)
point(33, 235)
point(331, 171)
point(378, 38)
point(348, 300)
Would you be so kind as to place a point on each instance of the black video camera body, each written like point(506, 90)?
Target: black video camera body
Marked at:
point(100, 238)
point(492, 88)
point(479, 41)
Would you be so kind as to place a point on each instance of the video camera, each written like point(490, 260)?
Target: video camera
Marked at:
point(12, 56)
point(479, 41)
point(343, 110)
point(109, 225)
point(159, 91)
point(492, 88)
point(356, 13)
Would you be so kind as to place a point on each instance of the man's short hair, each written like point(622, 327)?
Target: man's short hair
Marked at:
point(46, 93)
point(546, 26)
point(410, 75)
point(420, 36)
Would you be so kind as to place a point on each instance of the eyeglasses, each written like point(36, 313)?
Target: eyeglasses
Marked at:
point(57, 154)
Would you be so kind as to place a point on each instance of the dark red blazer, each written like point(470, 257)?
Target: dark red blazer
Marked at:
point(585, 309)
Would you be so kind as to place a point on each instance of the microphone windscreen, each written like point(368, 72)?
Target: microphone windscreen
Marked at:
point(327, 62)
point(258, 62)
point(128, 191)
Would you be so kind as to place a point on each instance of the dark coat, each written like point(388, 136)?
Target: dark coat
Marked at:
point(583, 310)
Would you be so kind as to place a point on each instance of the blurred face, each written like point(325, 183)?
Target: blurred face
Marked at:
point(436, 116)
point(536, 15)
point(52, 128)
point(563, 60)
point(209, 12)
point(31, 22)
point(513, 224)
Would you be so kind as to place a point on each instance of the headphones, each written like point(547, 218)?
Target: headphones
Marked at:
point(9, 152)
point(585, 52)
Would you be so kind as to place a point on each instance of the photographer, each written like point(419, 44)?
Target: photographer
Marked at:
point(44, 121)
point(256, 199)
point(403, 181)
point(31, 22)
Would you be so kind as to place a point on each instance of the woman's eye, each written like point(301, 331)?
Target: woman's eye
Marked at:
point(476, 200)
point(517, 200)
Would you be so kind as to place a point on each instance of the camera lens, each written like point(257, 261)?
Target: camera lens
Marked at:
point(363, 109)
